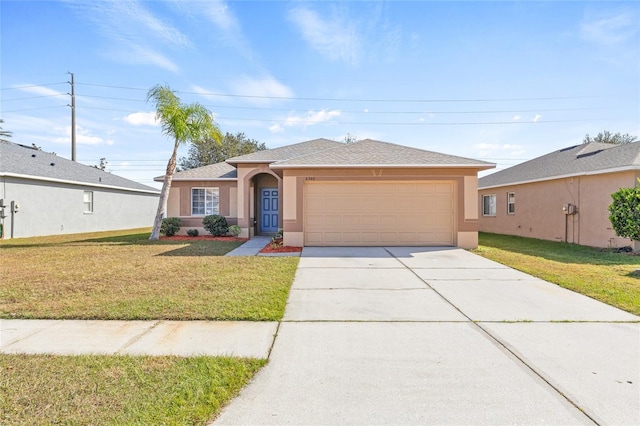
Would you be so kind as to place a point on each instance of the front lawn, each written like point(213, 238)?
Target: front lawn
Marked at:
point(118, 390)
point(600, 274)
point(122, 275)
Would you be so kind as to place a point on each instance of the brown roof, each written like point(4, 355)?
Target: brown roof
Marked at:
point(372, 153)
point(218, 171)
point(287, 152)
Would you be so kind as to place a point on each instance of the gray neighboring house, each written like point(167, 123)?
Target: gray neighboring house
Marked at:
point(43, 194)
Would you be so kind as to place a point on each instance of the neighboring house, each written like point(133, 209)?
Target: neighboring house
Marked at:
point(327, 193)
point(43, 194)
point(561, 196)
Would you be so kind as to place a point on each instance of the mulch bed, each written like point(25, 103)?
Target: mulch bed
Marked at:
point(202, 238)
point(276, 247)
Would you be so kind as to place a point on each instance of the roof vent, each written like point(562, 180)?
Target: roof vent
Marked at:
point(589, 154)
point(53, 164)
point(33, 155)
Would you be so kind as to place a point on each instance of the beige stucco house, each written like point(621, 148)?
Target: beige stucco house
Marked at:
point(561, 196)
point(327, 193)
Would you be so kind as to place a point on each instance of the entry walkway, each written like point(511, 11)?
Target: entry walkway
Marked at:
point(251, 247)
point(440, 336)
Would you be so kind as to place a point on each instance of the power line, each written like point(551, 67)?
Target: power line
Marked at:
point(33, 109)
point(35, 97)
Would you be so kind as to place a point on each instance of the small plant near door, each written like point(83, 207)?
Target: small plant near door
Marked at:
point(192, 232)
point(234, 230)
point(216, 225)
point(277, 240)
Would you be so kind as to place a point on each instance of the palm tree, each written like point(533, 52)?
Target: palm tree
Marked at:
point(183, 123)
point(4, 133)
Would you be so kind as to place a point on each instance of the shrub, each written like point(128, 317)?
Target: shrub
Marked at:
point(170, 225)
point(192, 232)
point(235, 230)
point(215, 224)
point(625, 212)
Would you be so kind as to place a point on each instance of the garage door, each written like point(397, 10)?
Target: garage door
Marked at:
point(379, 213)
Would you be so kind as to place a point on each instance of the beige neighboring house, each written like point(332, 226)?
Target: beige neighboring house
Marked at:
point(327, 193)
point(561, 196)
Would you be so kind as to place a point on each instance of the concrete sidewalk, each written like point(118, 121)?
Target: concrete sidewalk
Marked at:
point(251, 247)
point(440, 336)
point(181, 338)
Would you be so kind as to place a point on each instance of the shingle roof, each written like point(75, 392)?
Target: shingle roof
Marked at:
point(369, 153)
point(286, 152)
point(24, 161)
point(576, 160)
point(218, 171)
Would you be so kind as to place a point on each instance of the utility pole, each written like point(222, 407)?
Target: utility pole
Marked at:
point(73, 118)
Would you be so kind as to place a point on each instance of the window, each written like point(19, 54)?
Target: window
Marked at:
point(88, 201)
point(489, 205)
point(511, 203)
point(204, 201)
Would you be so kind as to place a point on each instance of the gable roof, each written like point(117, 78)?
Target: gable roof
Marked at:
point(29, 163)
point(585, 159)
point(218, 171)
point(372, 153)
point(286, 152)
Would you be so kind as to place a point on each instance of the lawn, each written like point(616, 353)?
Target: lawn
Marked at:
point(123, 275)
point(118, 390)
point(600, 274)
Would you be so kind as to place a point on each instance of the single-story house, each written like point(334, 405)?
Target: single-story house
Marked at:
point(327, 193)
point(43, 194)
point(561, 196)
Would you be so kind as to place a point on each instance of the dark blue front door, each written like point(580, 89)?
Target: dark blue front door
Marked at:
point(269, 210)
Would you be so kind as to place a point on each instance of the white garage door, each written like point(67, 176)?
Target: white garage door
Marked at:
point(349, 213)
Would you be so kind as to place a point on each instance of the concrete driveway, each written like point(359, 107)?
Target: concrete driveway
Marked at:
point(440, 336)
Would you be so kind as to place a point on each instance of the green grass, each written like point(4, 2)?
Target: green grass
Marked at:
point(602, 275)
point(122, 275)
point(117, 390)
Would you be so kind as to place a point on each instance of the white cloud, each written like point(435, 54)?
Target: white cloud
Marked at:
point(537, 118)
point(336, 38)
point(276, 128)
point(141, 119)
point(267, 87)
point(311, 118)
point(516, 118)
point(133, 32)
point(39, 90)
point(611, 30)
point(83, 137)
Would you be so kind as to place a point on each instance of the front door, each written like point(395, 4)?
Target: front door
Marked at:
point(268, 210)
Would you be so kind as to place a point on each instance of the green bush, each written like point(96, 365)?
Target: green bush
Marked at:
point(625, 212)
point(170, 226)
point(235, 230)
point(192, 232)
point(215, 224)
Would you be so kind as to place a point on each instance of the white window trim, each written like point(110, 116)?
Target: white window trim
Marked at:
point(211, 188)
point(510, 203)
point(492, 206)
point(90, 202)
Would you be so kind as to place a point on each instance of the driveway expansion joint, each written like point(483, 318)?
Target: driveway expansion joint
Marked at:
point(134, 339)
point(501, 344)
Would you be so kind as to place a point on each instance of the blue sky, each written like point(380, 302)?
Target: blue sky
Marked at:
point(498, 81)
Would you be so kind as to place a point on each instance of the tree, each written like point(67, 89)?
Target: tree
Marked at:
point(183, 123)
point(349, 138)
point(209, 151)
point(103, 164)
point(624, 212)
point(607, 137)
point(4, 134)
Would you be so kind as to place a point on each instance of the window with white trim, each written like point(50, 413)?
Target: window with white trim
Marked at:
point(489, 205)
point(511, 203)
point(88, 201)
point(205, 201)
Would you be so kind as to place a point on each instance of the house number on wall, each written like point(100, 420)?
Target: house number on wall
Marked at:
point(310, 178)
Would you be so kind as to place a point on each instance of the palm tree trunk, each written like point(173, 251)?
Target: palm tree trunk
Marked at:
point(164, 194)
